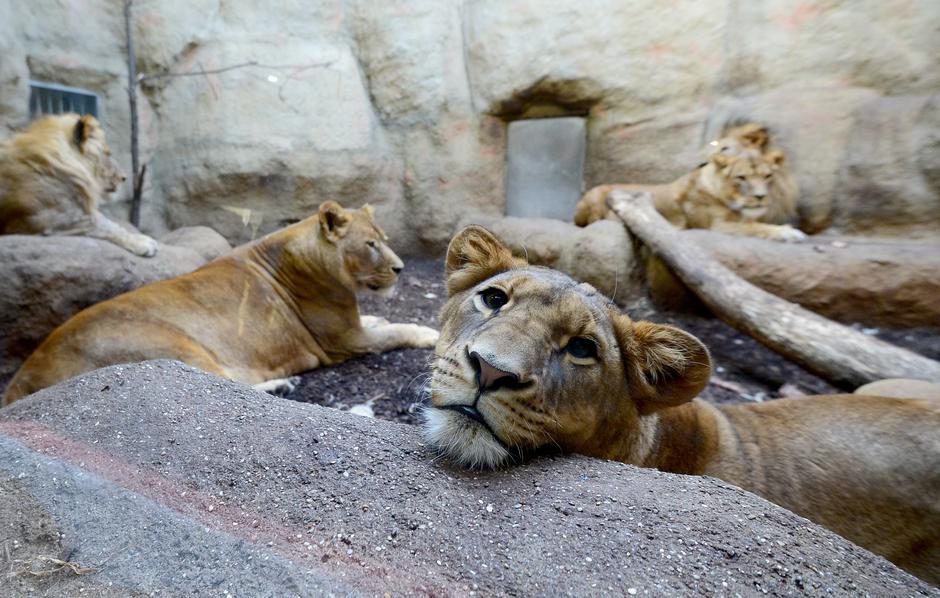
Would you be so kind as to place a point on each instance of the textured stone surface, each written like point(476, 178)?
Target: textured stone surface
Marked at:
point(876, 282)
point(49, 279)
point(167, 480)
point(14, 77)
point(601, 254)
point(406, 105)
point(201, 239)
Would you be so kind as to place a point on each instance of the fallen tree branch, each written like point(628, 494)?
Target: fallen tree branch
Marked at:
point(841, 355)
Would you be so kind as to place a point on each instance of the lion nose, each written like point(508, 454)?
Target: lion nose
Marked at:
point(397, 269)
point(490, 377)
point(760, 195)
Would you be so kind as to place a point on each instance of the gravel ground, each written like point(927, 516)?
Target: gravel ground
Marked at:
point(744, 370)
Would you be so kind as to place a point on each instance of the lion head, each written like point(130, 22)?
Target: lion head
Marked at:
point(367, 259)
point(89, 138)
point(740, 139)
point(743, 182)
point(529, 358)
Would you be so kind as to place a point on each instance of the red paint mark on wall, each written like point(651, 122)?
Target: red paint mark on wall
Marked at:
point(797, 18)
point(659, 52)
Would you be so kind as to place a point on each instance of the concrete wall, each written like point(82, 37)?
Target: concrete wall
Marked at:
point(406, 105)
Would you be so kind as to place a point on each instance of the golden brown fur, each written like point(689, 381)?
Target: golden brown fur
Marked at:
point(530, 359)
point(744, 187)
point(782, 189)
point(281, 305)
point(54, 175)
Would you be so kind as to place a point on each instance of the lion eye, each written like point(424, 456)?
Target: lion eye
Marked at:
point(740, 178)
point(371, 244)
point(494, 298)
point(582, 348)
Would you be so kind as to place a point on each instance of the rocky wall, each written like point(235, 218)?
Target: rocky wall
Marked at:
point(405, 105)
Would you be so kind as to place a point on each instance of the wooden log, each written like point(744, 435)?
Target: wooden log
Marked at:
point(844, 356)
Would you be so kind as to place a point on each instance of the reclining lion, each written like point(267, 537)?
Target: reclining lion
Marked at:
point(279, 306)
point(782, 190)
point(528, 358)
point(743, 188)
point(54, 175)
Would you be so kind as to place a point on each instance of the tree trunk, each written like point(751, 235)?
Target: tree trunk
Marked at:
point(841, 355)
point(138, 176)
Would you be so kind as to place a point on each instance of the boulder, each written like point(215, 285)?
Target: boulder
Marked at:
point(902, 388)
point(878, 282)
point(201, 239)
point(49, 279)
point(156, 478)
point(887, 181)
point(601, 254)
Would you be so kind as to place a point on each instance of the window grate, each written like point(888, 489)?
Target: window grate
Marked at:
point(51, 98)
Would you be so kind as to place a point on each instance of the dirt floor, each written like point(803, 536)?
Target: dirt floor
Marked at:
point(394, 383)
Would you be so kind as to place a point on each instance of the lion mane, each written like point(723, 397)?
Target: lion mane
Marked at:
point(53, 177)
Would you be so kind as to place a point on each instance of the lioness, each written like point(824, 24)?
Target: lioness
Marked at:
point(528, 358)
point(281, 305)
point(54, 175)
point(729, 194)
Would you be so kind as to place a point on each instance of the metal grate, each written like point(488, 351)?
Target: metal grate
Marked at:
point(51, 98)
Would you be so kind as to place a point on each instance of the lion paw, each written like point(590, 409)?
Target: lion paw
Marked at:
point(372, 321)
point(788, 234)
point(280, 387)
point(143, 246)
point(424, 337)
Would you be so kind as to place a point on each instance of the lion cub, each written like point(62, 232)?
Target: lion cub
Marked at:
point(530, 359)
point(55, 174)
point(742, 188)
point(279, 306)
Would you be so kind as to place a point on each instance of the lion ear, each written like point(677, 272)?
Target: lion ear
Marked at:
point(84, 129)
point(756, 135)
point(721, 160)
point(775, 157)
point(665, 366)
point(475, 254)
point(369, 210)
point(333, 221)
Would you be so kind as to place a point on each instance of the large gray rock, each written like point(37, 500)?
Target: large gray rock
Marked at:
point(876, 282)
point(601, 254)
point(888, 178)
point(166, 480)
point(47, 280)
point(201, 239)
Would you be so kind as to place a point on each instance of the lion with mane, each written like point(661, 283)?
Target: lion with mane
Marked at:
point(744, 187)
point(53, 177)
